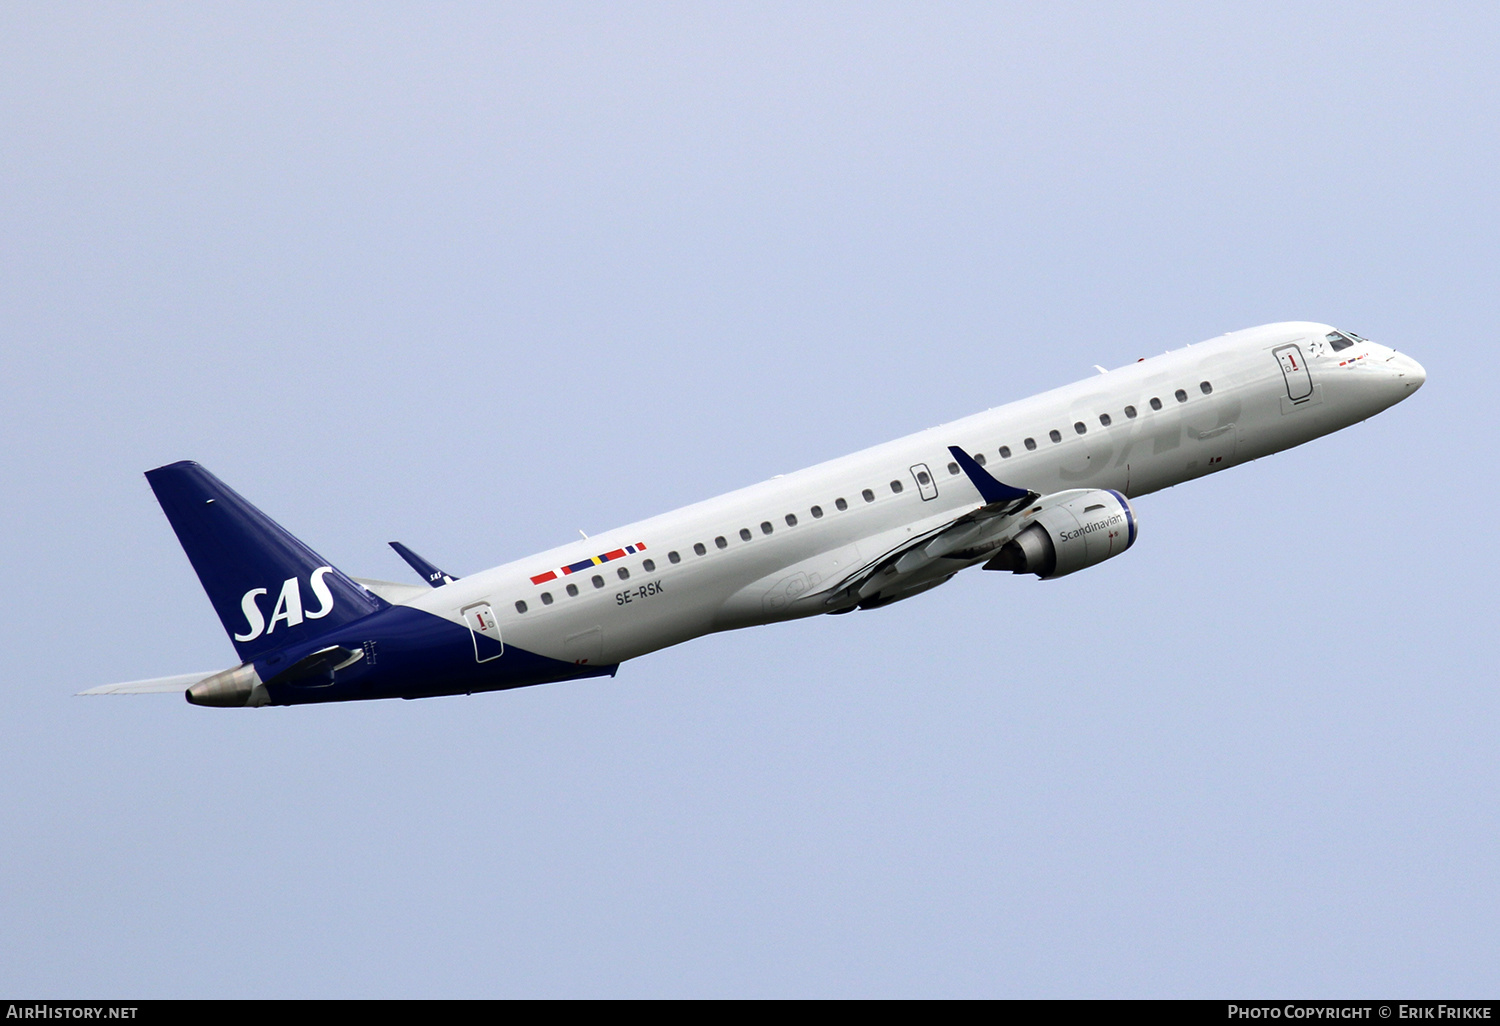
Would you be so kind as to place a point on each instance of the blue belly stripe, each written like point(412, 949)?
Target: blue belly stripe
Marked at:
point(413, 654)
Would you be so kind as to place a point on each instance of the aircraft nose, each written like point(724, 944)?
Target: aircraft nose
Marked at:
point(1409, 372)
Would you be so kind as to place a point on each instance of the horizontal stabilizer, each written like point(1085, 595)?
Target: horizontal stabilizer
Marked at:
point(321, 663)
point(393, 592)
point(993, 491)
point(431, 574)
point(154, 686)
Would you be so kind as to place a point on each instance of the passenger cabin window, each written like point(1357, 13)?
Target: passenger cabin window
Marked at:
point(1055, 435)
point(868, 495)
point(840, 505)
point(817, 512)
point(649, 566)
point(1338, 340)
point(1180, 395)
point(572, 591)
point(720, 542)
point(953, 469)
point(1104, 420)
point(1030, 444)
point(765, 527)
point(1205, 388)
point(1079, 427)
point(791, 520)
point(598, 581)
point(700, 548)
point(979, 458)
point(744, 534)
point(896, 487)
point(1130, 413)
point(624, 573)
point(923, 477)
point(546, 598)
point(520, 607)
point(1005, 452)
point(673, 557)
point(1155, 403)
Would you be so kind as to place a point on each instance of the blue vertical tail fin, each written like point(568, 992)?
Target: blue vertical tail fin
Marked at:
point(269, 589)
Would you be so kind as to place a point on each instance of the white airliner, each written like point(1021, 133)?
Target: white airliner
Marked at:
point(1041, 486)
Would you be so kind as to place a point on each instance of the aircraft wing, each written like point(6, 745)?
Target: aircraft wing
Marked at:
point(933, 557)
point(154, 686)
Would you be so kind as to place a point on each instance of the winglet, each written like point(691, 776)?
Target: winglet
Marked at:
point(431, 574)
point(993, 491)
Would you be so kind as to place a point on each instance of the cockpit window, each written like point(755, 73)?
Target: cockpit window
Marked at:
point(1339, 341)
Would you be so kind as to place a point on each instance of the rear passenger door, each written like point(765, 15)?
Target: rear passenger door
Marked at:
point(485, 630)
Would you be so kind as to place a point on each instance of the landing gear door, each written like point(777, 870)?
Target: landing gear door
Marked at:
point(1294, 370)
point(925, 484)
point(485, 630)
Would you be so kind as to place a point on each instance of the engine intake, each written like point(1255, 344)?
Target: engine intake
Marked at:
point(1070, 531)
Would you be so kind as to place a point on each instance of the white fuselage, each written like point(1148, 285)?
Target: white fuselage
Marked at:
point(779, 549)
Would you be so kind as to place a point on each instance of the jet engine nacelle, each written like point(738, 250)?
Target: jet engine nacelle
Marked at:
point(1070, 530)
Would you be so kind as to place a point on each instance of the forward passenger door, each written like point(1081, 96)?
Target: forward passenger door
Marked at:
point(1299, 385)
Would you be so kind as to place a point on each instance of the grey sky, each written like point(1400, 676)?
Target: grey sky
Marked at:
point(476, 277)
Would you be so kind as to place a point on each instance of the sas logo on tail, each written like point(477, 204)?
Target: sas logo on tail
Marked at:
point(288, 607)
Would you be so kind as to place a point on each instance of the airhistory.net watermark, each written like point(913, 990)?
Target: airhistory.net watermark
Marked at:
point(70, 1011)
